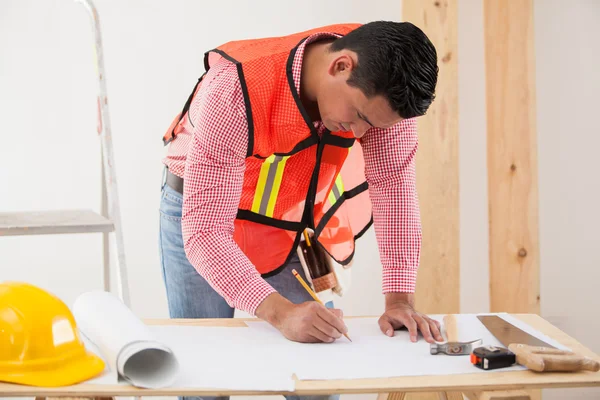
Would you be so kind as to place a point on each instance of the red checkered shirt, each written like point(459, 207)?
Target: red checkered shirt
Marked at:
point(210, 155)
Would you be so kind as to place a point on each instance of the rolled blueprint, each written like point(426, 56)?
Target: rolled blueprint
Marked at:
point(124, 341)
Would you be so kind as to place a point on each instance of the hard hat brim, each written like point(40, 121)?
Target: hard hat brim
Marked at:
point(71, 373)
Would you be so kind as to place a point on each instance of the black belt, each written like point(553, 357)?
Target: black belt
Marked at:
point(174, 182)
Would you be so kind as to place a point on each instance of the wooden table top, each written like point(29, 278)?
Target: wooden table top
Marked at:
point(458, 382)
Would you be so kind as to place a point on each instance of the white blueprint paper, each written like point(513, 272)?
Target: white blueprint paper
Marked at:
point(371, 354)
point(259, 357)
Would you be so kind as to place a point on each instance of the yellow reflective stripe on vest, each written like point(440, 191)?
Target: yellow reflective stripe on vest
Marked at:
point(269, 182)
point(338, 188)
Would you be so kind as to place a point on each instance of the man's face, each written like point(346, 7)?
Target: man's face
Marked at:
point(346, 108)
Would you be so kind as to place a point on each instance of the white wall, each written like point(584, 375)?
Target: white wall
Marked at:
point(153, 56)
point(567, 65)
point(474, 227)
point(50, 155)
point(568, 83)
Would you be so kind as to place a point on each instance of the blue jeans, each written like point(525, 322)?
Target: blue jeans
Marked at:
point(190, 296)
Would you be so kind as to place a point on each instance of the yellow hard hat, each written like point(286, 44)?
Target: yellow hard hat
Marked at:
point(39, 341)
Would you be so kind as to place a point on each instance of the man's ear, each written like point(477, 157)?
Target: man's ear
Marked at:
point(341, 64)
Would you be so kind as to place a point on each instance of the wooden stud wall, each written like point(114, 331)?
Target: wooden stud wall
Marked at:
point(512, 156)
point(438, 289)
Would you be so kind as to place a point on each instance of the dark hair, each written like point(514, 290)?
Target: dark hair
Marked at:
point(396, 60)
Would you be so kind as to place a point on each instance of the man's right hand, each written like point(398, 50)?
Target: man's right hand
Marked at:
point(309, 322)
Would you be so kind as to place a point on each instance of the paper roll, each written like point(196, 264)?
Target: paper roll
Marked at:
point(124, 341)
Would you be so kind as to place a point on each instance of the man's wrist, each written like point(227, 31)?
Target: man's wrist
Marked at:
point(395, 298)
point(273, 309)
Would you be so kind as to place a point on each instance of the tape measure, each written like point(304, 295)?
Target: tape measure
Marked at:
point(492, 357)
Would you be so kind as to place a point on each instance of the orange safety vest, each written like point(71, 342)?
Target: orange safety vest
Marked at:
point(293, 179)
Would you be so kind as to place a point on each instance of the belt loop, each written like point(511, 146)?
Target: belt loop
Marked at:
point(164, 178)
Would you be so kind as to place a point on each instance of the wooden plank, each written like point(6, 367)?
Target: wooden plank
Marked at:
point(451, 396)
point(391, 396)
point(477, 382)
point(512, 156)
point(437, 170)
point(53, 222)
point(74, 398)
point(435, 396)
point(421, 396)
point(437, 166)
point(499, 395)
point(438, 287)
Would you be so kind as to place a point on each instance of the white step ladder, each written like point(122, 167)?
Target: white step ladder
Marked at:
point(85, 221)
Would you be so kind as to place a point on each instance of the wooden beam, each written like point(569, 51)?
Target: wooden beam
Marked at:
point(391, 396)
point(438, 288)
point(512, 156)
point(498, 395)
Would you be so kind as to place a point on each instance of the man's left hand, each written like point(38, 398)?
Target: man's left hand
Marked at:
point(399, 312)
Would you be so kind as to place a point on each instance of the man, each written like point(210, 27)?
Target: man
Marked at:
point(315, 129)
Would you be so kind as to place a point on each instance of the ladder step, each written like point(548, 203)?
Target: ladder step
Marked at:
point(53, 222)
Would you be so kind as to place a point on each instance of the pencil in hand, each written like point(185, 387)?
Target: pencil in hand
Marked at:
point(312, 294)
